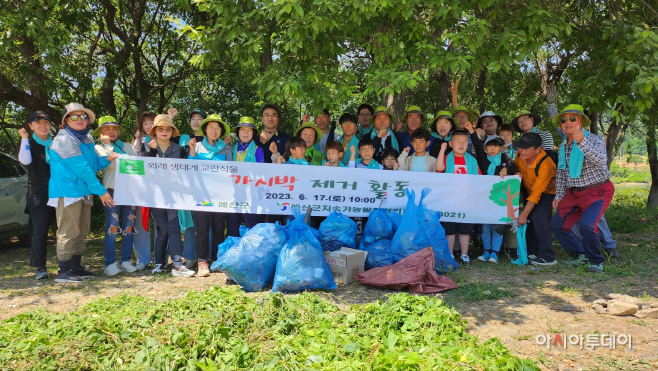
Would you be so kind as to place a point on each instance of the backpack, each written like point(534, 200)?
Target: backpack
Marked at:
point(552, 155)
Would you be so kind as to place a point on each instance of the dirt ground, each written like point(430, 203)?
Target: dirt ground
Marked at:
point(515, 304)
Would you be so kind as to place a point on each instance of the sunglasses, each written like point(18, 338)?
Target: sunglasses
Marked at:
point(76, 117)
point(572, 118)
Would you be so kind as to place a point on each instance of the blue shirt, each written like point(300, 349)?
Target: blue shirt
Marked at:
point(419, 164)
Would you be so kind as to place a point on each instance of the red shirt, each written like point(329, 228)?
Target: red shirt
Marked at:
point(460, 165)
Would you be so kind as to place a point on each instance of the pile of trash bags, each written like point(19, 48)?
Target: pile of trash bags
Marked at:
point(337, 231)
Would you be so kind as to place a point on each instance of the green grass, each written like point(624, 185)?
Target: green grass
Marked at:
point(223, 329)
point(474, 292)
point(628, 213)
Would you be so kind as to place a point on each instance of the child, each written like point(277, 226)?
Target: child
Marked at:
point(334, 154)
point(34, 155)
point(311, 135)
point(442, 127)
point(459, 161)
point(295, 152)
point(421, 160)
point(212, 148)
point(496, 163)
point(506, 133)
point(390, 159)
point(348, 122)
point(366, 151)
point(166, 220)
point(246, 150)
point(108, 132)
point(73, 167)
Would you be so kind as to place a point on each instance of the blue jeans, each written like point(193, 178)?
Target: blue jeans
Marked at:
point(112, 214)
point(142, 240)
point(605, 236)
point(189, 245)
point(491, 240)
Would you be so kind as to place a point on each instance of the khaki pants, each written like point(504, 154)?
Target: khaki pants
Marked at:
point(73, 224)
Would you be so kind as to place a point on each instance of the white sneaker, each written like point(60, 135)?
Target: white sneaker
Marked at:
point(127, 266)
point(465, 259)
point(112, 269)
point(182, 272)
point(158, 268)
point(140, 266)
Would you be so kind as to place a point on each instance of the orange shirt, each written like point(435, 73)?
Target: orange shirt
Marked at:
point(537, 185)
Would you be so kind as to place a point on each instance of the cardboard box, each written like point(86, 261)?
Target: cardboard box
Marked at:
point(345, 263)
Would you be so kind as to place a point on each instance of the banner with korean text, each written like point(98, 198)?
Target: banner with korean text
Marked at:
point(242, 187)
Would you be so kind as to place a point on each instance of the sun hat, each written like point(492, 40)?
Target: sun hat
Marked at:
point(572, 108)
point(472, 116)
point(246, 122)
point(318, 132)
point(536, 119)
point(106, 121)
point(382, 109)
point(163, 121)
point(413, 109)
point(201, 131)
point(72, 107)
point(496, 138)
point(443, 115)
point(499, 120)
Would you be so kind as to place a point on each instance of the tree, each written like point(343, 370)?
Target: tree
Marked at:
point(506, 193)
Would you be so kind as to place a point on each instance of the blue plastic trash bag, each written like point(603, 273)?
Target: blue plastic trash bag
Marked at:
point(252, 262)
point(522, 249)
point(243, 230)
point(379, 254)
point(378, 227)
point(420, 228)
point(337, 231)
point(396, 219)
point(223, 247)
point(301, 264)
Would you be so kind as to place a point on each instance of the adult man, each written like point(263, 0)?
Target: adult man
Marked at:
point(608, 243)
point(583, 190)
point(365, 113)
point(271, 114)
point(414, 118)
point(537, 171)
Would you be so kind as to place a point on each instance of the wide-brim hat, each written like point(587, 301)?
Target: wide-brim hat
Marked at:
point(572, 108)
point(213, 118)
point(472, 116)
point(413, 109)
point(536, 120)
point(72, 107)
point(443, 115)
point(246, 122)
point(498, 119)
point(382, 109)
point(106, 121)
point(163, 120)
point(318, 132)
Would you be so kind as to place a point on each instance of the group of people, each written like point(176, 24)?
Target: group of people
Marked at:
point(573, 181)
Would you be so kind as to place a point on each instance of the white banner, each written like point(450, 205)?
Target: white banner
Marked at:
point(245, 187)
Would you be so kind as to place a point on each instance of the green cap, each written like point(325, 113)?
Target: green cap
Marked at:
point(382, 109)
point(318, 132)
point(472, 115)
point(199, 111)
point(213, 118)
point(106, 121)
point(572, 108)
point(443, 115)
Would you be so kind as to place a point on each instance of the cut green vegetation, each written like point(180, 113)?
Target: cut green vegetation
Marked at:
point(223, 329)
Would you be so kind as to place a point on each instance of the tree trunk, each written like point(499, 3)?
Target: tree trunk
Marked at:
point(614, 138)
point(395, 104)
point(652, 200)
point(443, 100)
point(594, 126)
point(482, 80)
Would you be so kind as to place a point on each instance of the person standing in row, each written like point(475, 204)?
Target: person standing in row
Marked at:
point(34, 155)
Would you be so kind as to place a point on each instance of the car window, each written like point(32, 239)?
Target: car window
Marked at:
point(8, 168)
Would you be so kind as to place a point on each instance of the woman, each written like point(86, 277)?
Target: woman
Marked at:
point(34, 155)
point(142, 237)
point(212, 148)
